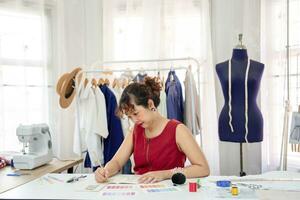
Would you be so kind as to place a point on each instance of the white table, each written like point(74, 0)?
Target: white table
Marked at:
point(286, 184)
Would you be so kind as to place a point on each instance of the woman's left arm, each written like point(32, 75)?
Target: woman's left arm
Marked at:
point(188, 145)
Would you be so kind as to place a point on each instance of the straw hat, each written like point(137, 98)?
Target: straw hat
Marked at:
point(65, 88)
point(60, 83)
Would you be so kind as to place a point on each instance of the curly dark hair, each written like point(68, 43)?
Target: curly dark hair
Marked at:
point(139, 94)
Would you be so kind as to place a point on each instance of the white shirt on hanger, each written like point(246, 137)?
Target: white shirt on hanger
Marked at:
point(93, 123)
point(162, 107)
point(79, 144)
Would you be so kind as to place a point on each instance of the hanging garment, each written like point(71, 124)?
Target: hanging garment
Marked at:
point(139, 77)
point(162, 107)
point(93, 124)
point(127, 124)
point(192, 104)
point(295, 129)
point(158, 153)
point(79, 145)
point(174, 97)
point(115, 137)
point(117, 92)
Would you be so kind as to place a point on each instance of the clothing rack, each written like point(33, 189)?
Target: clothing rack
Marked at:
point(98, 70)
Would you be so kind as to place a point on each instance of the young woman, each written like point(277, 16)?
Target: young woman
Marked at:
point(159, 145)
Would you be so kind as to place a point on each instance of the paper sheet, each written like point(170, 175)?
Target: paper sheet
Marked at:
point(130, 179)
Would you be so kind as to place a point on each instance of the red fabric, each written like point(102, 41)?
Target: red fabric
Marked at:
point(158, 153)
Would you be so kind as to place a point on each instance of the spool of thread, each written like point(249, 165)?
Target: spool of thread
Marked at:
point(192, 186)
point(234, 190)
point(223, 183)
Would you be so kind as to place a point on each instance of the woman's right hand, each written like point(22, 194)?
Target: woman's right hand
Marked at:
point(101, 175)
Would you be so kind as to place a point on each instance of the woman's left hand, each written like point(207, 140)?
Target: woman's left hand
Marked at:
point(152, 177)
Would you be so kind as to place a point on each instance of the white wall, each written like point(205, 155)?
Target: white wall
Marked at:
point(229, 18)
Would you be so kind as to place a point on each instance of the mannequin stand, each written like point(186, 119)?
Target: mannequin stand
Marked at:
point(242, 173)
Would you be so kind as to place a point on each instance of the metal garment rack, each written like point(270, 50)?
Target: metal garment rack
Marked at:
point(97, 70)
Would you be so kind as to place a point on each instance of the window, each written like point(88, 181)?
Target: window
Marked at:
point(293, 157)
point(277, 43)
point(23, 74)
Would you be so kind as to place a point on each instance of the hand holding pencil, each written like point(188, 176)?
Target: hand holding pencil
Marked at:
point(101, 174)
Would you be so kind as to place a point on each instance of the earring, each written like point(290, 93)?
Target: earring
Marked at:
point(153, 109)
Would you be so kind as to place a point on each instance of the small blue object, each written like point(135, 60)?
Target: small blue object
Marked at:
point(223, 183)
point(13, 174)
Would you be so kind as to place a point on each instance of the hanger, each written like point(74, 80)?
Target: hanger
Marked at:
point(94, 82)
point(114, 84)
point(158, 75)
point(172, 69)
point(117, 83)
point(142, 71)
point(163, 82)
point(107, 73)
point(106, 81)
point(86, 82)
point(101, 81)
point(124, 83)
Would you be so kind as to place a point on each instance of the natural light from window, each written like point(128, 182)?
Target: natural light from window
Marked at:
point(22, 75)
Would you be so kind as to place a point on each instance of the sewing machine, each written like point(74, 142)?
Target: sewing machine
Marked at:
point(37, 146)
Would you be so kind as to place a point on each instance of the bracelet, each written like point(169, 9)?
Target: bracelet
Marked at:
point(177, 170)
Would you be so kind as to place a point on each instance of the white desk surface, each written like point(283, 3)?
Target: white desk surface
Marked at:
point(275, 185)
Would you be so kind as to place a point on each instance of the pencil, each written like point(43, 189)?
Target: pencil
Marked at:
point(97, 159)
point(54, 178)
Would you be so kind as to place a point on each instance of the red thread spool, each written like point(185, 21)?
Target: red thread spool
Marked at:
point(193, 187)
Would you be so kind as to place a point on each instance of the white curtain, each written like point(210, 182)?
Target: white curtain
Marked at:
point(77, 43)
point(24, 67)
point(274, 87)
point(140, 29)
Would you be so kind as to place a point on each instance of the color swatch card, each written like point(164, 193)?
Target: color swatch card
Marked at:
point(152, 186)
point(158, 188)
point(118, 193)
point(119, 187)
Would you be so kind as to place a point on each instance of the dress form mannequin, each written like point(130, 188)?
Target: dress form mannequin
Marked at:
point(238, 112)
point(240, 119)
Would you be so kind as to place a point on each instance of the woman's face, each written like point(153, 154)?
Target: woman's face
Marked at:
point(141, 116)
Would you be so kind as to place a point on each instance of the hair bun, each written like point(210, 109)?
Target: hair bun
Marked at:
point(154, 84)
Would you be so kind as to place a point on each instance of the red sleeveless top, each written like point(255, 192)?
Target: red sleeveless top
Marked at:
point(158, 153)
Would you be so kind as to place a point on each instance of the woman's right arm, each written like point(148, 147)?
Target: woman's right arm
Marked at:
point(118, 161)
